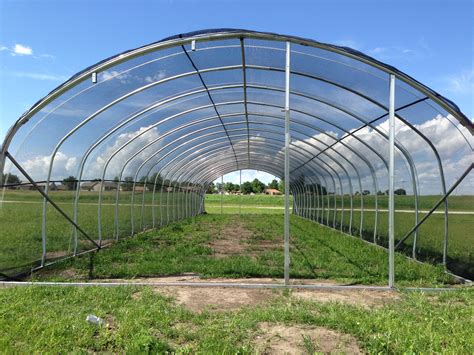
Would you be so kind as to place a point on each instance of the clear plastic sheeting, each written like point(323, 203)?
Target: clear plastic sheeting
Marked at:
point(138, 148)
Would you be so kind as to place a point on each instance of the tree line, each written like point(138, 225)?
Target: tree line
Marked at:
point(255, 186)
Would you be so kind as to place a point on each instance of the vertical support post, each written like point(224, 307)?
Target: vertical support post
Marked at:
point(240, 188)
point(222, 193)
point(287, 166)
point(2, 167)
point(391, 196)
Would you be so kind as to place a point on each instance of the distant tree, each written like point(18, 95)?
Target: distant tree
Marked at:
point(397, 192)
point(247, 188)
point(230, 187)
point(379, 193)
point(321, 190)
point(273, 184)
point(211, 189)
point(357, 193)
point(257, 186)
point(127, 184)
point(152, 179)
point(400, 192)
point(281, 186)
point(219, 187)
point(70, 182)
point(10, 179)
point(366, 192)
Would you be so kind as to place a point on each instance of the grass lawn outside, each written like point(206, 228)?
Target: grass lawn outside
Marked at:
point(143, 320)
point(246, 246)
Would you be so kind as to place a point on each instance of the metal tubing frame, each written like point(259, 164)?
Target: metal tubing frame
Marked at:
point(330, 156)
point(156, 83)
point(52, 158)
point(265, 144)
point(173, 98)
point(266, 169)
point(257, 130)
point(287, 168)
point(177, 148)
point(215, 154)
point(229, 124)
point(404, 79)
point(391, 195)
point(336, 160)
point(144, 132)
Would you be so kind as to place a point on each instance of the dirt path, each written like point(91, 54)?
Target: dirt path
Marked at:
point(299, 339)
point(219, 298)
point(236, 239)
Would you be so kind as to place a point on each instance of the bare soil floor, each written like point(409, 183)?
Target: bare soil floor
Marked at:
point(217, 298)
point(297, 339)
point(236, 239)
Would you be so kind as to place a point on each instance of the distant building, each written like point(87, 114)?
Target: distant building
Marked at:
point(61, 187)
point(97, 186)
point(272, 192)
point(41, 185)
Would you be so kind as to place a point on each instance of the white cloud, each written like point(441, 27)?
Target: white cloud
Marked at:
point(157, 77)
point(147, 135)
point(37, 167)
point(65, 165)
point(19, 49)
point(22, 50)
point(124, 78)
point(450, 139)
point(128, 77)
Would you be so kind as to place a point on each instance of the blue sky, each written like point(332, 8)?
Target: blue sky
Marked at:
point(42, 43)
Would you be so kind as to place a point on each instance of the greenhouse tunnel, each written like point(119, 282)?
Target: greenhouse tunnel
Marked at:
point(143, 134)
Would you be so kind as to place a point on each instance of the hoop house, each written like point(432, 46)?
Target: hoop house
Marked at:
point(142, 135)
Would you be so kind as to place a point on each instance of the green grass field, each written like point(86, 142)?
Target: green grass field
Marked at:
point(20, 217)
point(247, 246)
point(456, 203)
point(52, 320)
point(431, 234)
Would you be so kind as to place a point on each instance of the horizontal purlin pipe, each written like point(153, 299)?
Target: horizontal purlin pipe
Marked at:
point(468, 170)
point(223, 284)
point(28, 177)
